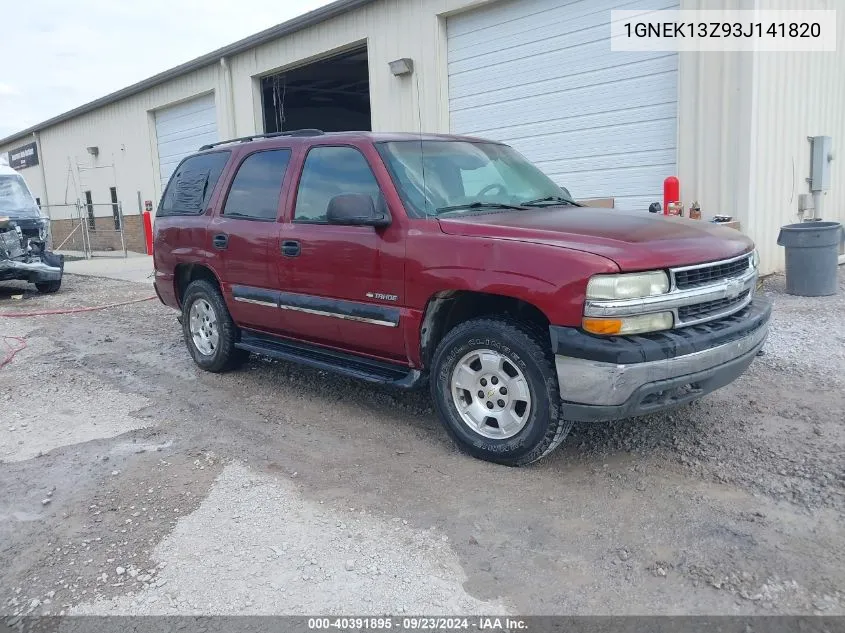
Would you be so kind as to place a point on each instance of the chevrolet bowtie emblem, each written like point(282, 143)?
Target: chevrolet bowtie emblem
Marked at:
point(733, 288)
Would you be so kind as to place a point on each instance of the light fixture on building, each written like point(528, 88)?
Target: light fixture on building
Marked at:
point(93, 150)
point(404, 66)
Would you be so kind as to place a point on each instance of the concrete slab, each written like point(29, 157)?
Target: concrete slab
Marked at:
point(136, 267)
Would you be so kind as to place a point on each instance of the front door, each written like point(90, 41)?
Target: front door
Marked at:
point(244, 234)
point(342, 286)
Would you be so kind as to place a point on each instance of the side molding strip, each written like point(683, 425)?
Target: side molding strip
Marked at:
point(340, 309)
point(257, 296)
point(320, 306)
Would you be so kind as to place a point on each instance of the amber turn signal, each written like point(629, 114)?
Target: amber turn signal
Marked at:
point(638, 324)
point(602, 326)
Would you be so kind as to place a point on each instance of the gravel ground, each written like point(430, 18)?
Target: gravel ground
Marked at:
point(134, 483)
point(367, 565)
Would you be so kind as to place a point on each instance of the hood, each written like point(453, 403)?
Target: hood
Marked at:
point(30, 213)
point(634, 240)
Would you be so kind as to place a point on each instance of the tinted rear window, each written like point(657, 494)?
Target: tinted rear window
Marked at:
point(257, 186)
point(191, 185)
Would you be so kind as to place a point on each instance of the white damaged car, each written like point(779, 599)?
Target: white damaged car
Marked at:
point(23, 237)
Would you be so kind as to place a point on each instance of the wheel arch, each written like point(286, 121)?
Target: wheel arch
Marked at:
point(449, 308)
point(184, 274)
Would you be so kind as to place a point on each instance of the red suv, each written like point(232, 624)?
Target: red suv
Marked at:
point(400, 259)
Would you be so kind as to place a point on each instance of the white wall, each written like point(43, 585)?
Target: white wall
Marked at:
point(796, 95)
point(742, 118)
point(124, 134)
point(124, 131)
point(392, 29)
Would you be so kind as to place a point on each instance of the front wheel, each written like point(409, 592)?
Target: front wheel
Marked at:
point(46, 287)
point(495, 387)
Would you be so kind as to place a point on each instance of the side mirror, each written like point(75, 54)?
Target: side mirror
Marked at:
point(356, 209)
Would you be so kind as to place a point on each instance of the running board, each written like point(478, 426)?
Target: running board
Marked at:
point(350, 365)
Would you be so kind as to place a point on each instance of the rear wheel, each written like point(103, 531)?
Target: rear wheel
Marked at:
point(209, 331)
point(495, 387)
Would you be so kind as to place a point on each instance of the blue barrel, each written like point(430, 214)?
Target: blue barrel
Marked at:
point(812, 257)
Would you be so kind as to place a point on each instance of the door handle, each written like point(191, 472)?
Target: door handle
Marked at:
point(290, 248)
point(220, 241)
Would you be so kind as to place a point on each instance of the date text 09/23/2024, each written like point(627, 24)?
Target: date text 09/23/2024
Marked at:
point(494, 624)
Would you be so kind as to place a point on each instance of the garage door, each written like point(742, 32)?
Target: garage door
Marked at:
point(540, 75)
point(182, 129)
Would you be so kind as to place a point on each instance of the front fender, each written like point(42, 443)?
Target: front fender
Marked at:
point(552, 279)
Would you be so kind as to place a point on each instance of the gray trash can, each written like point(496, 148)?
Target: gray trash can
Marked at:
point(812, 257)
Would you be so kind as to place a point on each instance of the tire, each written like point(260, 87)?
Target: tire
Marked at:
point(46, 287)
point(531, 426)
point(57, 261)
point(213, 348)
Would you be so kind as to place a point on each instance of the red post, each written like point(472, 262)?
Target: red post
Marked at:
point(148, 231)
point(671, 192)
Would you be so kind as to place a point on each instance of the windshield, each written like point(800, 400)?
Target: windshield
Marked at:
point(15, 197)
point(439, 177)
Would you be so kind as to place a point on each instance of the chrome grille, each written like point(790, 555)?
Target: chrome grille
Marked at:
point(698, 294)
point(708, 274)
point(703, 310)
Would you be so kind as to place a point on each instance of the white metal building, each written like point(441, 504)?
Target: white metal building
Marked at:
point(538, 74)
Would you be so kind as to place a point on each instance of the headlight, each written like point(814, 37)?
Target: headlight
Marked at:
point(622, 326)
point(628, 286)
point(755, 259)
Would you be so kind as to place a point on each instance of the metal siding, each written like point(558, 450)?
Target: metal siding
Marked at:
point(392, 29)
point(735, 149)
point(124, 130)
point(540, 75)
point(798, 95)
point(744, 119)
point(125, 137)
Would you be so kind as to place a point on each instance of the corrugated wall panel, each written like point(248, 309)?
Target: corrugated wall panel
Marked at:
point(392, 29)
point(124, 135)
point(793, 96)
point(744, 120)
point(540, 75)
point(798, 95)
point(124, 131)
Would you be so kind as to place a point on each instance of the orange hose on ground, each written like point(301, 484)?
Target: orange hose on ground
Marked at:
point(14, 351)
point(22, 341)
point(14, 315)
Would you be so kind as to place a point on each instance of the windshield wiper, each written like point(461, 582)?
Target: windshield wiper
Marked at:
point(554, 199)
point(478, 205)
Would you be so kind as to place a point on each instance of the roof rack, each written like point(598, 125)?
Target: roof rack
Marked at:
point(246, 139)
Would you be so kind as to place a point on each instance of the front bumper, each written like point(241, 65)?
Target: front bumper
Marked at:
point(619, 377)
point(33, 272)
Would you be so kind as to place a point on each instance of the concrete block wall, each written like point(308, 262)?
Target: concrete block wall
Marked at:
point(103, 237)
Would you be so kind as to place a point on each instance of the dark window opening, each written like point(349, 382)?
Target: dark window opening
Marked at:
point(332, 95)
point(115, 208)
point(191, 185)
point(89, 206)
point(38, 202)
point(257, 186)
point(330, 172)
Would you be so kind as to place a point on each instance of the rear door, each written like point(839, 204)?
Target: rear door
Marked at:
point(244, 233)
point(342, 285)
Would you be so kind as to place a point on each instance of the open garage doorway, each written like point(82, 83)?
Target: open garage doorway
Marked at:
point(332, 95)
